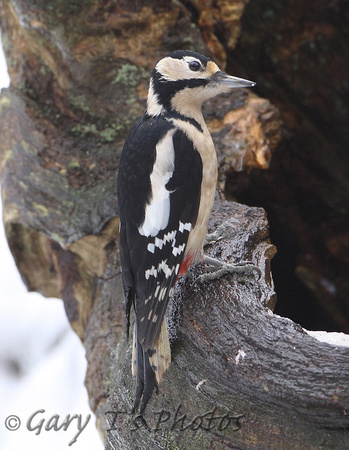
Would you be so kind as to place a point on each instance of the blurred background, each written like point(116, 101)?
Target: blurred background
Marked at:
point(42, 361)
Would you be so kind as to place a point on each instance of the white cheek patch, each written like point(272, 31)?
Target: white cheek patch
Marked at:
point(173, 69)
point(157, 212)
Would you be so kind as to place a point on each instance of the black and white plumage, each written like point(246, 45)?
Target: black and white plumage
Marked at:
point(166, 187)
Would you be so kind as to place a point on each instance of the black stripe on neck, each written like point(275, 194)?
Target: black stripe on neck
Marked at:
point(173, 115)
point(176, 115)
point(166, 90)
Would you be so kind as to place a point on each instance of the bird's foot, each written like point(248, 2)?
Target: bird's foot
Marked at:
point(222, 231)
point(222, 268)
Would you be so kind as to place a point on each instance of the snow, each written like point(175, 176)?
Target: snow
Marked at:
point(42, 365)
point(332, 338)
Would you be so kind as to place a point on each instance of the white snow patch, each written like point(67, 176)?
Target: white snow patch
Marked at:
point(337, 339)
point(4, 78)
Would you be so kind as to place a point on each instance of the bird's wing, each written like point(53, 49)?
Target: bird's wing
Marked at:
point(158, 205)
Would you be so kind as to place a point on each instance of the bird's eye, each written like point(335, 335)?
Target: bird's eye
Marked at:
point(194, 66)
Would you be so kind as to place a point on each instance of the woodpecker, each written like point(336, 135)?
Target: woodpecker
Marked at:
point(166, 187)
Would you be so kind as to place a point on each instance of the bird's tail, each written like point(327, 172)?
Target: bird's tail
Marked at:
point(149, 366)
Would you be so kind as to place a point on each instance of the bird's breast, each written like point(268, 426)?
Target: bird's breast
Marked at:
point(208, 188)
point(204, 145)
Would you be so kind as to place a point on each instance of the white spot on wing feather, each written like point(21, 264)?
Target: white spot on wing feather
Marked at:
point(178, 250)
point(164, 267)
point(159, 243)
point(162, 294)
point(151, 272)
point(151, 248)
point(184, 226)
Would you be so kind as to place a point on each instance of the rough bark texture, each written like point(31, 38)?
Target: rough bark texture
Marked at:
point(242, 376)
point(79, 75)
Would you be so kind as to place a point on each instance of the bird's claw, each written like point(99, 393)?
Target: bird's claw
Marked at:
point(245, 267)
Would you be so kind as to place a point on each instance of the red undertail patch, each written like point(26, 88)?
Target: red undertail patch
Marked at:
point(187, 263)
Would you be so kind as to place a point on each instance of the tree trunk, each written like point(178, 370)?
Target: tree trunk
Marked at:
point(241, 375)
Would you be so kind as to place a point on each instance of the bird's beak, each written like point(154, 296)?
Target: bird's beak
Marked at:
point(230, 82)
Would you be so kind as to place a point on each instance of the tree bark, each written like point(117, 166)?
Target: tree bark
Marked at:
point(79, 77)
point(242, 377)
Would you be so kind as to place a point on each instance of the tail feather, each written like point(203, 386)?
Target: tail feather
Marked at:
point(161, 357)
point(149, 366)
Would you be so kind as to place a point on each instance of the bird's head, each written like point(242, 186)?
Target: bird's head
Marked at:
point(183, 80)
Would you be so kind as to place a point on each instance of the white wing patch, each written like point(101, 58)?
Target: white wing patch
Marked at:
point(157, 212)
